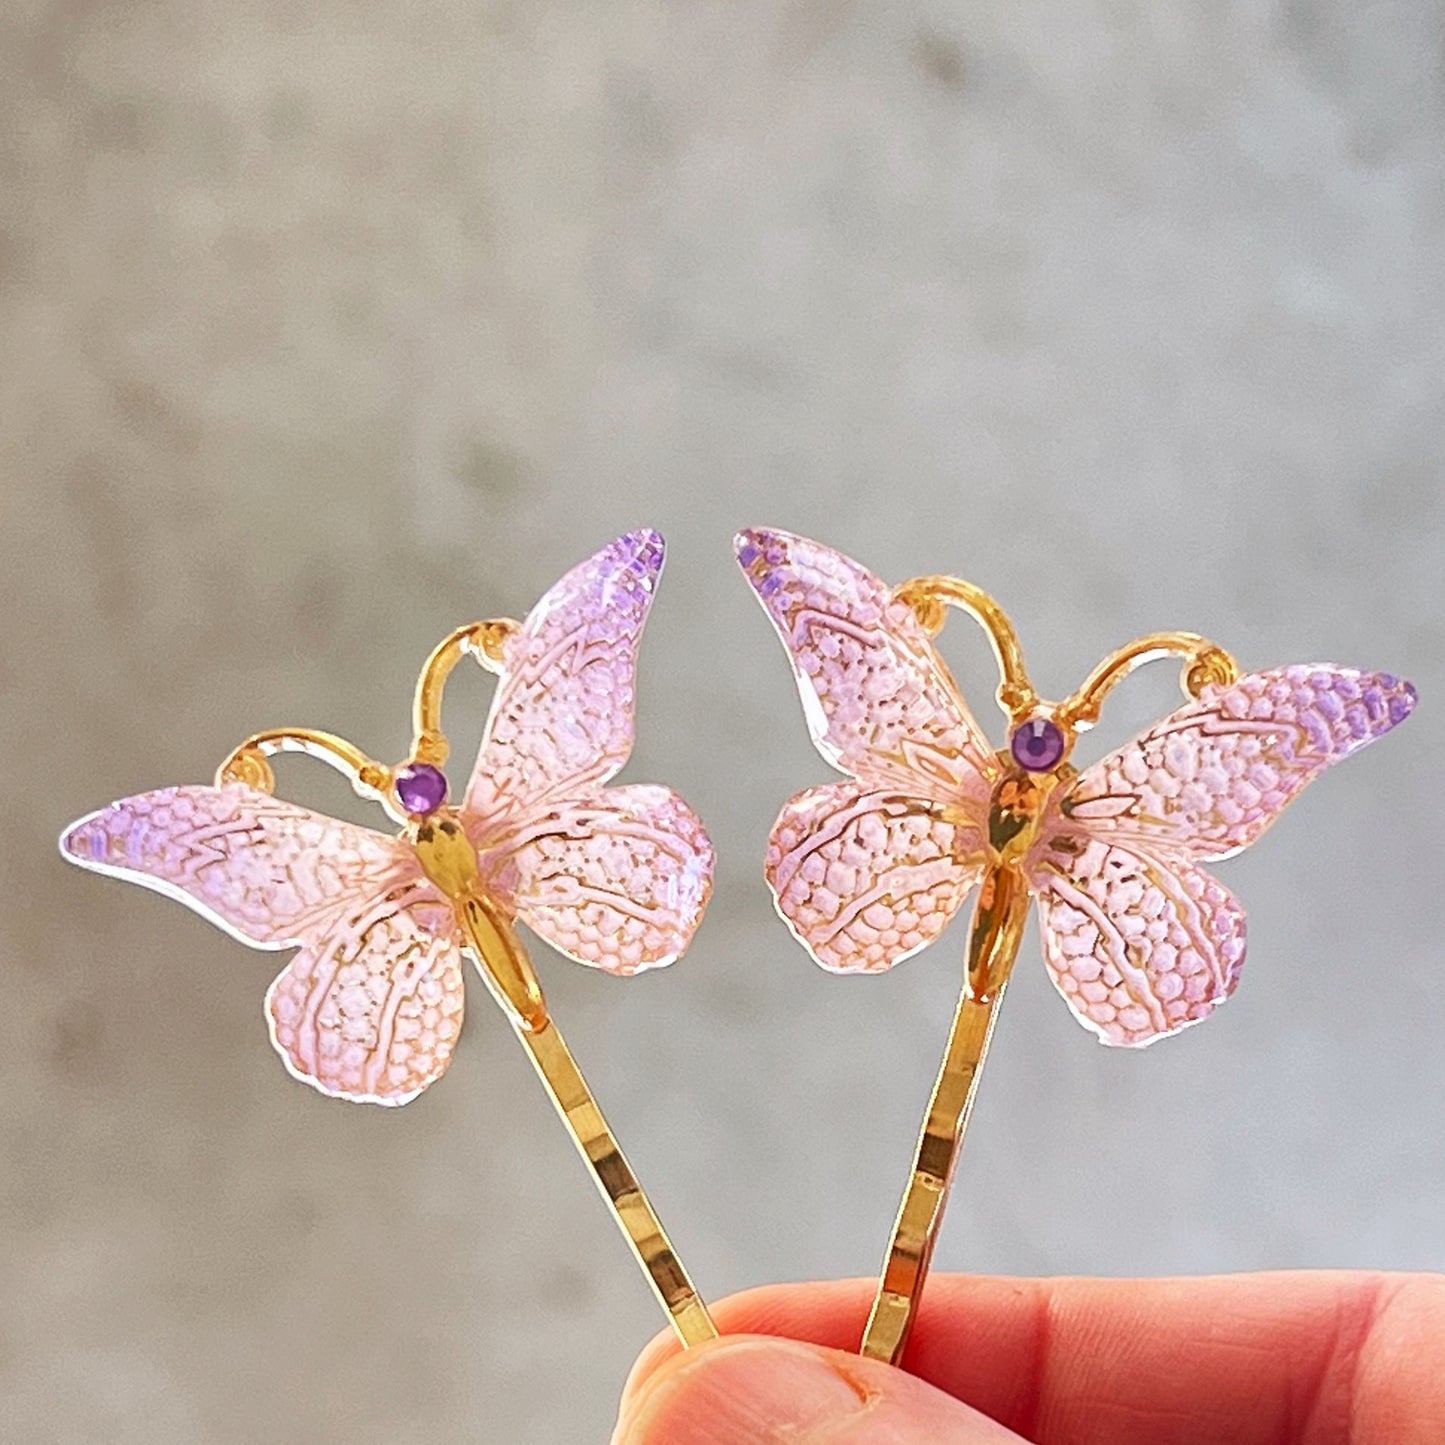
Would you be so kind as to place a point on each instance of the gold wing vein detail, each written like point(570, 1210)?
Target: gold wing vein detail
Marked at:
point(371, 1011)
point(879, 701)
point(266, 871)
point(1139, 946)
point(613, 877)
point(865, 879)
point(563, 716)
point(1211, 777)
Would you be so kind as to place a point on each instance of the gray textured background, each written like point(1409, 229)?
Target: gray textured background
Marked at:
point(326, 328)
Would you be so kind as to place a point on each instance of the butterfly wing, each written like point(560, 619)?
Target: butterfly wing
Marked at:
point(370, 1007)
point(370, 1011)
point(269, 873)
point(562, 717)
point(879, 700)
point(1139, 945)
point(1210, 778)
point(614, 877)
point(1139, 939)
point(867, 872)
point(866, 879)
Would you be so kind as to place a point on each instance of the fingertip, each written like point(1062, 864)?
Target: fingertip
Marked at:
point(658, 1351)
point(744, 1390)
point(769, 1309)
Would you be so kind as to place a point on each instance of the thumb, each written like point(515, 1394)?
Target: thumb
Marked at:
point(750, 1390)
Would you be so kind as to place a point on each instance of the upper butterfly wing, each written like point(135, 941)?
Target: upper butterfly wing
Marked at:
point(1210, 778)
point(880, 703)
point(266, 871)
point(370, 1009)
point(562, 717)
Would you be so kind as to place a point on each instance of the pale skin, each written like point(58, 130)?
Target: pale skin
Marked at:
point(1303, 1358)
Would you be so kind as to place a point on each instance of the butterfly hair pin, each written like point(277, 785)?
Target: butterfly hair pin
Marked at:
point(1138, 938)
point(370, 1007)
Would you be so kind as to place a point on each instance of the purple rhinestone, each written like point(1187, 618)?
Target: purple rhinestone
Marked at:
point(1037, 744)
point(421, 788)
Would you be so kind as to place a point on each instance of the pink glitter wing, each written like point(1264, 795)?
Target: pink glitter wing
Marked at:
point(1210, 778)
point(879, 700)
point(612, 877)
point(269, 873)
point(866, 873)
point(1139, 940)
point(615, 877)
point(865, 879)
point(562, 718)
point(371, 1011)
point(1139, 946)
point(370, 1007)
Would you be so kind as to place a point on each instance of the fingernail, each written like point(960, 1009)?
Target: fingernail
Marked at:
point(753, 1391)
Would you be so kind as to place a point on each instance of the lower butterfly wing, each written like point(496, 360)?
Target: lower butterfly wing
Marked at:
point(613, 877)
point(371, 1009)
point(1139, 945)
point(1210, 778)
point(266, 871)
point(864, 879)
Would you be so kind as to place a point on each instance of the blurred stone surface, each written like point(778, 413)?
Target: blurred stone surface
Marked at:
point(326, 328)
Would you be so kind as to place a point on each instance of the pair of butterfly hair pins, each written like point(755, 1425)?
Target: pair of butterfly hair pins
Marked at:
point(1138, 938)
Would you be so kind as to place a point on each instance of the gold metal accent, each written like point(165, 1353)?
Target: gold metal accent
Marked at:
point(1015, 810)
point(449, 859)
point(998, 929)
point(993, 944)
point(1204, 662)
point(247, 763)
point(928, 597)
point(939, 1145)
point(485, 641)
point(618, 1185)
point(513, 980)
